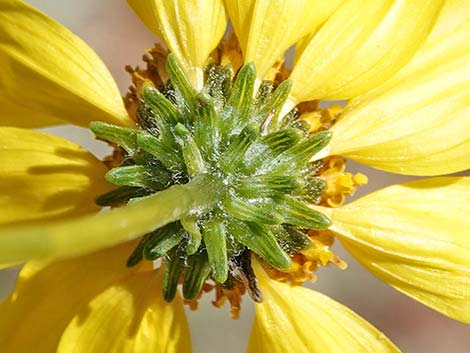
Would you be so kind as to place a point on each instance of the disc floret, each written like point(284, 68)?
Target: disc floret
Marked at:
point(233, 137)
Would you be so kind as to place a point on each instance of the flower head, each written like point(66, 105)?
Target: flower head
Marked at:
point(230, 174)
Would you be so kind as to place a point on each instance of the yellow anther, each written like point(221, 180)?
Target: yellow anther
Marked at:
point(339, 183)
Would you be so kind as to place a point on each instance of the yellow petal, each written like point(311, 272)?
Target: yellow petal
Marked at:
point(297, 319)
point(415, 236)
point(362, 44)
point(132, 312)
point(44, 176)
point(43, 304)
point(10, 113)
point(191, 29)
point(81, 235)
point(418, 122)
point(447, 37)
point(48, 73)
point(91, 304)
point(266, 29)
point(5, 265)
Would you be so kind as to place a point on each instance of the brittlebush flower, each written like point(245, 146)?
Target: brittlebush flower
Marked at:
point(230, 172)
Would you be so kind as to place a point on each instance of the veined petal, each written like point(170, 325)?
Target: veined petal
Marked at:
point(48, 73)
point(77, 305)
point(297, 319)
point(418, 122)
point(44, 176)
point(134, 313)
point(49, 295)
point(191, 29)
point(266, 29)
point(415, 237)
point(447, 35)
point(361, 45)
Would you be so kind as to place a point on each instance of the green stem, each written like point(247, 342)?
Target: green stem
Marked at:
point(72, 237)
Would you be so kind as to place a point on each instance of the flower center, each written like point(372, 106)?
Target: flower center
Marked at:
point(259, 163)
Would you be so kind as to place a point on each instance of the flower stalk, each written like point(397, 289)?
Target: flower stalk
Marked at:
point(76, 237)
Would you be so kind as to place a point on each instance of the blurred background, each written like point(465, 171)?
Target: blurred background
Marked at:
point(115, 33)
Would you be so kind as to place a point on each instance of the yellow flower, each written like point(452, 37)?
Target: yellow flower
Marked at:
point(216, 169)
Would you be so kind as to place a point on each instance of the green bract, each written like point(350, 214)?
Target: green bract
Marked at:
point(258, 163)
